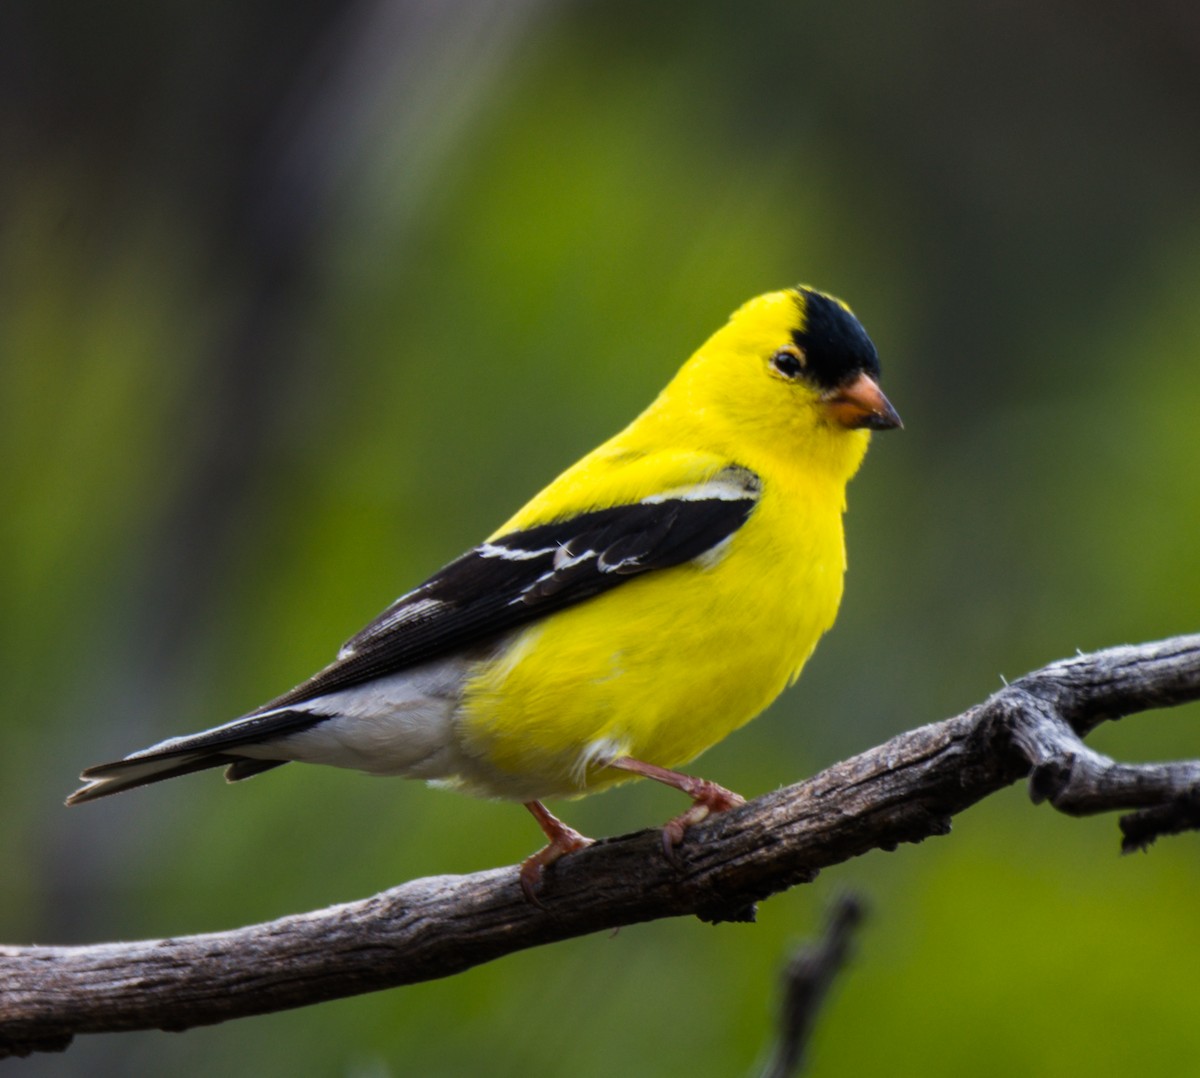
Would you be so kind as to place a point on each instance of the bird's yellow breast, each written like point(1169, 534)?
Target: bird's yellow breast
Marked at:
point(666, 665)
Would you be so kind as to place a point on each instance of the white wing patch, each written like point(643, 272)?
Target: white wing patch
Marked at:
point(508, 553)
point(730, 485)
point(565, 558)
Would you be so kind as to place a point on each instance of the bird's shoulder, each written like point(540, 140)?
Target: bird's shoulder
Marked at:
point(619, 474)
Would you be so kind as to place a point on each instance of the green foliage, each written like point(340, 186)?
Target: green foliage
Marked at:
point(194, 523)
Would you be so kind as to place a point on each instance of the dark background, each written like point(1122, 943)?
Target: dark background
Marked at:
point(299, 300)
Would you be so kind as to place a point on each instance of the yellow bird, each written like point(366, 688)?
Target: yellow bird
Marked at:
point(653, 598)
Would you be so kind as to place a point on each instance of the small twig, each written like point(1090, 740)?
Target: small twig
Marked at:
point(1140, 829)
point(807, 981)
point(903, 791)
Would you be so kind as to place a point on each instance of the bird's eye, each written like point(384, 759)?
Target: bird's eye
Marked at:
point(789, 362)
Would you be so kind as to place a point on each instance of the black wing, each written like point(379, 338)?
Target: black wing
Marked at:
point(519, 577)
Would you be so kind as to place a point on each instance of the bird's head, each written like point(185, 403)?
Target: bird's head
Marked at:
point(792, 373)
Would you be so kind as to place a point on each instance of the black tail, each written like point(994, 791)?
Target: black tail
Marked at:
point(183, 755)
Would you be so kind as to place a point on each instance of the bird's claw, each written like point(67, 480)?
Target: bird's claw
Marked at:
point(708, 799)
point(563, 840)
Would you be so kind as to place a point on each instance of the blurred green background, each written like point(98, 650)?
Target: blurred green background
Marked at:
point(297, 301)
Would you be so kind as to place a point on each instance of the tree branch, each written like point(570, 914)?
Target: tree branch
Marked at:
point(902, 791)
point(806, 982)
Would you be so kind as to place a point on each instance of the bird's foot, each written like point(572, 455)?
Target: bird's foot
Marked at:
point(563, 840)
point(707, 798)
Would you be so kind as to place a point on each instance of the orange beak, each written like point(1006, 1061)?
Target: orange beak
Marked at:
point(860, 404)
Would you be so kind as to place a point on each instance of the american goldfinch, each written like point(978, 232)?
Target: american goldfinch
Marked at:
point(653, 598)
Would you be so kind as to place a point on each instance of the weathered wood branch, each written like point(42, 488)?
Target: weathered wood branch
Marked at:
point(903, 791)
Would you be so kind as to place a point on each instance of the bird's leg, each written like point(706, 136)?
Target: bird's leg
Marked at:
point(563, 839)
point(707, 797)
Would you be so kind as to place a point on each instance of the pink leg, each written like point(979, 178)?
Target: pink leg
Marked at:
point(707, 797)
point(563, 839)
